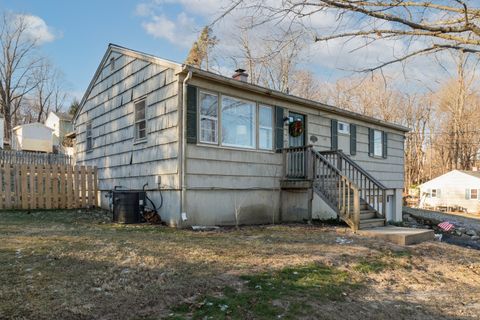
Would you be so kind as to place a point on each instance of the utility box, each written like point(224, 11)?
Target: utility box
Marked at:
point(128, 206)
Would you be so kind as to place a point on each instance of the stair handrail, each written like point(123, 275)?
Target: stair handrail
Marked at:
point(357, 166)
point(367, 190)
point(345, 188)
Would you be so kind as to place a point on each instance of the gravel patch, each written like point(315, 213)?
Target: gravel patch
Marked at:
point(437, 217)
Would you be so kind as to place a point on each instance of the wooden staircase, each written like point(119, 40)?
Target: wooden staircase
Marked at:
point(356, 196)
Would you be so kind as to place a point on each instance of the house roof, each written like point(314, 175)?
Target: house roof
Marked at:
point(63, 115)
point(291, 98)
point(475, 174)
point(33, 124)
point(235, 83)
point(129, 52)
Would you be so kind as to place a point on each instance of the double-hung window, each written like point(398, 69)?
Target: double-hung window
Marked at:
point(208, 117)
point(377, 143)
point(140, 121)
point(89, 137)
point(238, 123)
point(265, 127)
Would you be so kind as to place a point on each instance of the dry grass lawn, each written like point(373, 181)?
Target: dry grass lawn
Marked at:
point(70, 265)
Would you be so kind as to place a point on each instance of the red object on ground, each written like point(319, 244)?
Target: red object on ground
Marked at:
point(446, 226)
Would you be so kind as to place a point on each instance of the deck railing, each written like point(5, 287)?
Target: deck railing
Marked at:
point(328, 182)
point(295, 161)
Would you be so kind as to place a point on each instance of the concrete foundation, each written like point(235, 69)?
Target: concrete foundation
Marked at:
point(398, 235)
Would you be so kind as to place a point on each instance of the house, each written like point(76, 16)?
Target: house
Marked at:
point(220, 151)
point(35, 137)
point(453, 191)
point(2, 130)
point(61, 123)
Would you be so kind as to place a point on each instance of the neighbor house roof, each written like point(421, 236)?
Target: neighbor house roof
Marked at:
point(33, 124)
point(236, 83)
point(475, 174)
point(63, 115)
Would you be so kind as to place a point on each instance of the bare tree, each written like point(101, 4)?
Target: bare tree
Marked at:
point(417, 116)
point(48, 95)
point(459, 107)
point(271, 64)
point(433, 27)
point(18, 59)
point(372, 96)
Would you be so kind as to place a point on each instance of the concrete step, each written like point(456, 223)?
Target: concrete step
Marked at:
point(399, 235)
point(372, 223)
point(367, 214)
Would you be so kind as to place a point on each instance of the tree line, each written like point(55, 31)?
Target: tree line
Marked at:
point(444, 122)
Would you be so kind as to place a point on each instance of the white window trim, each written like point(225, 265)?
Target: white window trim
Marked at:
point(259, 127)
point(470, 192)
point(200, 117)
point(219, 142)
point(136, 122)
point(255, 124)
point(381, 143)
point(345, 125)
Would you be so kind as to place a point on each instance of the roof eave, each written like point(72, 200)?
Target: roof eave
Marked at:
point(277, 94)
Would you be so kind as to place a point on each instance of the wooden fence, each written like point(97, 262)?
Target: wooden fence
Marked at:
point(47, 186)
point(24, 157)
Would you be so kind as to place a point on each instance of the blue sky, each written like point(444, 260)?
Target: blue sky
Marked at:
point(77, 33)
point(83, 29)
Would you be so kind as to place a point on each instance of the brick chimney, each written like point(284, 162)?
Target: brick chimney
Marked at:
point(240, 75)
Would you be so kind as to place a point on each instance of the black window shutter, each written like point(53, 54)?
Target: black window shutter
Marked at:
point(334, 134)
point(191, 114)
point(353, 139)
point(371, 144)
point(385, 145)
point(279, 126)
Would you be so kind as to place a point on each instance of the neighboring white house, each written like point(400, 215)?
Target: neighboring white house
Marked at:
point(32, 137)
point(453, 189)
point(2, 131)
point(61, 123)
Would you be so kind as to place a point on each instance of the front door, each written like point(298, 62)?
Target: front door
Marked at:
point(296, 130)
point(296, 138)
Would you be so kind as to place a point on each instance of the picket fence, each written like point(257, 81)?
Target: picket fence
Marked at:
point(31, 186)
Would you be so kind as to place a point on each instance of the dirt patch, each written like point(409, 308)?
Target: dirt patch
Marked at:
point(70, 265)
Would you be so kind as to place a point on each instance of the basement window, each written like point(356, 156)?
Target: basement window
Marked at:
point(140, 121)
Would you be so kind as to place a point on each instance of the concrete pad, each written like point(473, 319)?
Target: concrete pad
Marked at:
point(399, 235)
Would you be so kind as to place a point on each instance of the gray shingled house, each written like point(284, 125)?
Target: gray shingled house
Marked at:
point(223, 151)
